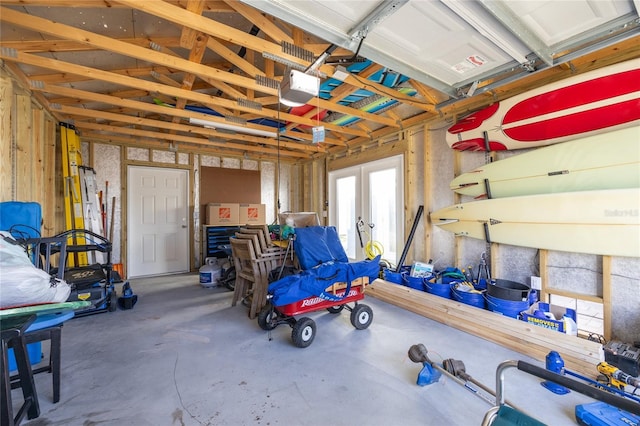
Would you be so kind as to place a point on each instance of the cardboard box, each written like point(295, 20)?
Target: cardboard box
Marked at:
point(554, 324)
point(252, 214)
point(223, 214)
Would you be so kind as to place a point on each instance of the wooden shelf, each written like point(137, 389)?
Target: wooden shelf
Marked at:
point(579, 355)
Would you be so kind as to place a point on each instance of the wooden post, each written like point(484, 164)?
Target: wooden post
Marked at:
point(606, 297)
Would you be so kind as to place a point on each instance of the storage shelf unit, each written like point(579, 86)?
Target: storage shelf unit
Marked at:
point(216, 236)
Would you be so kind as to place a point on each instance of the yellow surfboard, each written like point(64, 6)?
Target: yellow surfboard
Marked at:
point(605, 161)
point(604, 222)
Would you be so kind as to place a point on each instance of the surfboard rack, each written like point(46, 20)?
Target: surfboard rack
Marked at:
point(485, 136)
point(487, 235)
point(487, 188)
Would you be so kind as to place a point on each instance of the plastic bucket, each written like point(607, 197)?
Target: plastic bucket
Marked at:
point(508, 308)
point(416, 283)
point(439, 289)
point(462, 294)
point(393, 276)
point(508, 290)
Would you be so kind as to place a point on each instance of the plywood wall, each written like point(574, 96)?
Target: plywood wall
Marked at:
point(6, 103)
point(27, 151)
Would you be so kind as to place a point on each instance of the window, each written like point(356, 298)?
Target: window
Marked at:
point(371, 192)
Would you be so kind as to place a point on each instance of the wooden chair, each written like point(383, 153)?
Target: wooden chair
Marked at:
point(262, 231)
point(246, 272)
point(252, 272)
point(264, 262)
point(273, 257)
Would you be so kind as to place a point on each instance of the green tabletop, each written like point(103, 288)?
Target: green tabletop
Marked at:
point(45, 308)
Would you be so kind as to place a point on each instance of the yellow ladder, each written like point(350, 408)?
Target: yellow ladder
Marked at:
point(73, 211)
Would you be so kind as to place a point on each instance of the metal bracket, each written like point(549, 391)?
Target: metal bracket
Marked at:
point(487, 235)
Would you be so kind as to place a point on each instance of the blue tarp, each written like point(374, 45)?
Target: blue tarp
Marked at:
point(315, 245)
point(313, 282)
point(324, 262)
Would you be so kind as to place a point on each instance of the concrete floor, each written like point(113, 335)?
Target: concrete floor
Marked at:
point(184, 356)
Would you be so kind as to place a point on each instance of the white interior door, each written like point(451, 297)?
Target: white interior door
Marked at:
point(372, 192)
point(158, 229)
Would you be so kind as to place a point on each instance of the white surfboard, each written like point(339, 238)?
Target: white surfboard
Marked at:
point(605, 161)
point(605, 222)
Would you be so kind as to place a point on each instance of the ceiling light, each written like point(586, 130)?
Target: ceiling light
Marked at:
point(226, 126)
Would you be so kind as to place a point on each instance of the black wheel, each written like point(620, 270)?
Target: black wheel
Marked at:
point(361, 316)
point(336, 309)
point(113, 301)
point(228, 278)
point(266, 317)
point(304, 330)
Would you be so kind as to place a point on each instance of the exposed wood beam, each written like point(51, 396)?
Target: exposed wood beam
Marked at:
point(257, 18)
point(211, 5)
point(138, 121)
point(156, 87)
point(138, 142)
point(188, 35)
point(233, 57)
point(109, 44)
point(40, 46)
point(63, 77)
point(181, 138)
point(157, 109)
point(342, 92)
point(198, 47)
point(235, 36)
point(431, 95)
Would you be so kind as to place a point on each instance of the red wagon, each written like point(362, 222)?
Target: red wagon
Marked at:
point(304, 329)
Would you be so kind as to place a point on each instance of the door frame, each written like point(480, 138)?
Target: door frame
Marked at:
point(126, 208)
point(360, 171)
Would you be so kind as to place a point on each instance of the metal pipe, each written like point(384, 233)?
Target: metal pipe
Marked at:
point(590, 391)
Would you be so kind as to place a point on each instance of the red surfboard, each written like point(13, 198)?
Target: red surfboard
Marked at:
point(594, 102)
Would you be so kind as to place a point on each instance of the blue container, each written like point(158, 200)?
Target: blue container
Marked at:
point(34, 352)
point(439, 289)
point(416, 283)
point(462, 294)
point(393, 276)
point(508, 308)
point(602, 414)
point(533, 296)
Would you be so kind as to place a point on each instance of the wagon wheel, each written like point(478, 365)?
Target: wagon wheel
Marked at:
point(267, 317)
point(304, 330)
point(361, 316)
point(335, 309)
